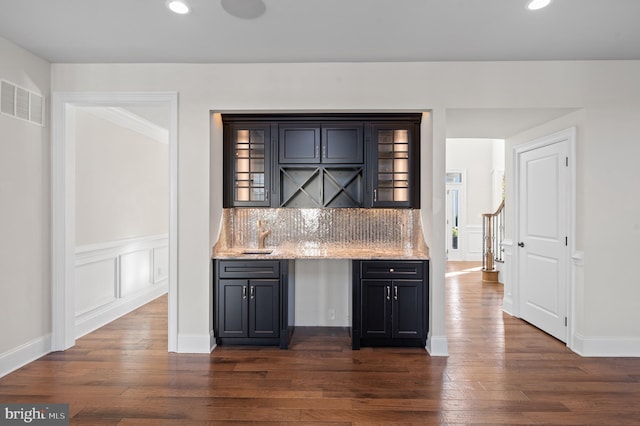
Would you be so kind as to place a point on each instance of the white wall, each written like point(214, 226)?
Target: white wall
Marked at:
point(25, 301)
point(323, 293)
point(475, 156)
point(122, 182)
point(608, 90)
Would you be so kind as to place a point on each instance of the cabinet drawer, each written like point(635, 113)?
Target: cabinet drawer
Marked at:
point(392, 269)
point(249, 269)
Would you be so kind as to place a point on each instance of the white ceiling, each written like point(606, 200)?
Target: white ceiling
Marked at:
point(323, 30)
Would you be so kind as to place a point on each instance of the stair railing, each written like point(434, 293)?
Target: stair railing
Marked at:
point(492, 236)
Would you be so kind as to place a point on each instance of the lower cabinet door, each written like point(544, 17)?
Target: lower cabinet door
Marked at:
point(264, 308)
point(407, 309)
point(232, 308)
point(376, 295)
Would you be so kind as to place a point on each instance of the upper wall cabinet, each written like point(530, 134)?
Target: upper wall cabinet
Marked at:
point(247, 163)
point(394, 164)
point(315, 143)
point(328, 160)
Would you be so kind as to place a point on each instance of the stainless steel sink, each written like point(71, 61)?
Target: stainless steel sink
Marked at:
point(257, 251)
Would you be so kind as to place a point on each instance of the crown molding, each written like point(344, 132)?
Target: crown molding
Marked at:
point(121, 117)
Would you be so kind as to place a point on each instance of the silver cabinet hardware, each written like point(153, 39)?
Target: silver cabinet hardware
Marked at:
point(244, 291)
point(388, 292)
point(395, 292)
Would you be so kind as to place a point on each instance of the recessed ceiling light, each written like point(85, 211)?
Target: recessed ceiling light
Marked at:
point(178, 6)
point(538, 4)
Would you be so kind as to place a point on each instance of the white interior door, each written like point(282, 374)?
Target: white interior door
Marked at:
point(543, 207)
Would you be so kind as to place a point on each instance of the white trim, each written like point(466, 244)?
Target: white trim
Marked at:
point(63, 206)
point(568, 135)
point(24, 354)
point(88, 252)
point(63, 225)
point(606, 346)
point(195, 343)
point(123, 118)
point(507, 298)
point(437, 345)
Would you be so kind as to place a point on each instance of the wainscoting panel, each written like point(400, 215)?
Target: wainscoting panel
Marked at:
point(96, 285)
point(135, 271)
point(474, 242)
point(114, 278)
point(161, 264)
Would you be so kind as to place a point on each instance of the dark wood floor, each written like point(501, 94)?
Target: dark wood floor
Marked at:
point(500, 371)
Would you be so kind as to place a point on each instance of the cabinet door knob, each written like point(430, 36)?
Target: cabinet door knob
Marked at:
point(244, 291)
point(395, 292)
point(391, 270)
point(388, 293)
point(253, 291)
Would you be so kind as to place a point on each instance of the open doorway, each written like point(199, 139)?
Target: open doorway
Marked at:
point(65, 105)
point(474, 168)
point(121, 211)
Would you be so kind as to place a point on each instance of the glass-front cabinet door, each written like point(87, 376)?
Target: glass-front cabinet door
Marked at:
point(393, 183)
point(250, 144)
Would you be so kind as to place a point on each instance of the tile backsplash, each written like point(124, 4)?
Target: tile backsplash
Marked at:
point(393, 228)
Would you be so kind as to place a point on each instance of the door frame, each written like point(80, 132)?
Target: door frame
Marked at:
point(568, 136)
point(63, 206)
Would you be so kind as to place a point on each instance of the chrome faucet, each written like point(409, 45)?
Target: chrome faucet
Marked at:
point(262, 233)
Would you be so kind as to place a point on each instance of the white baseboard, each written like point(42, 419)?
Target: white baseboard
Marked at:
point(24, 354)
point(97, 318)
point(196, 343)
point(606, 346)
point(507, 305)
point(437, 346)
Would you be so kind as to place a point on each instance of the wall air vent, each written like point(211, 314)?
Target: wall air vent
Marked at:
point(18, 102)
point(36, 108)
point(8, 98)
point(22, 103)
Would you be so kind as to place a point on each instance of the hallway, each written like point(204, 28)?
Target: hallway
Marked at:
point(500, 371)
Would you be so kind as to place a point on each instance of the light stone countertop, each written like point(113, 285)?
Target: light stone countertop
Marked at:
point(323, 251)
